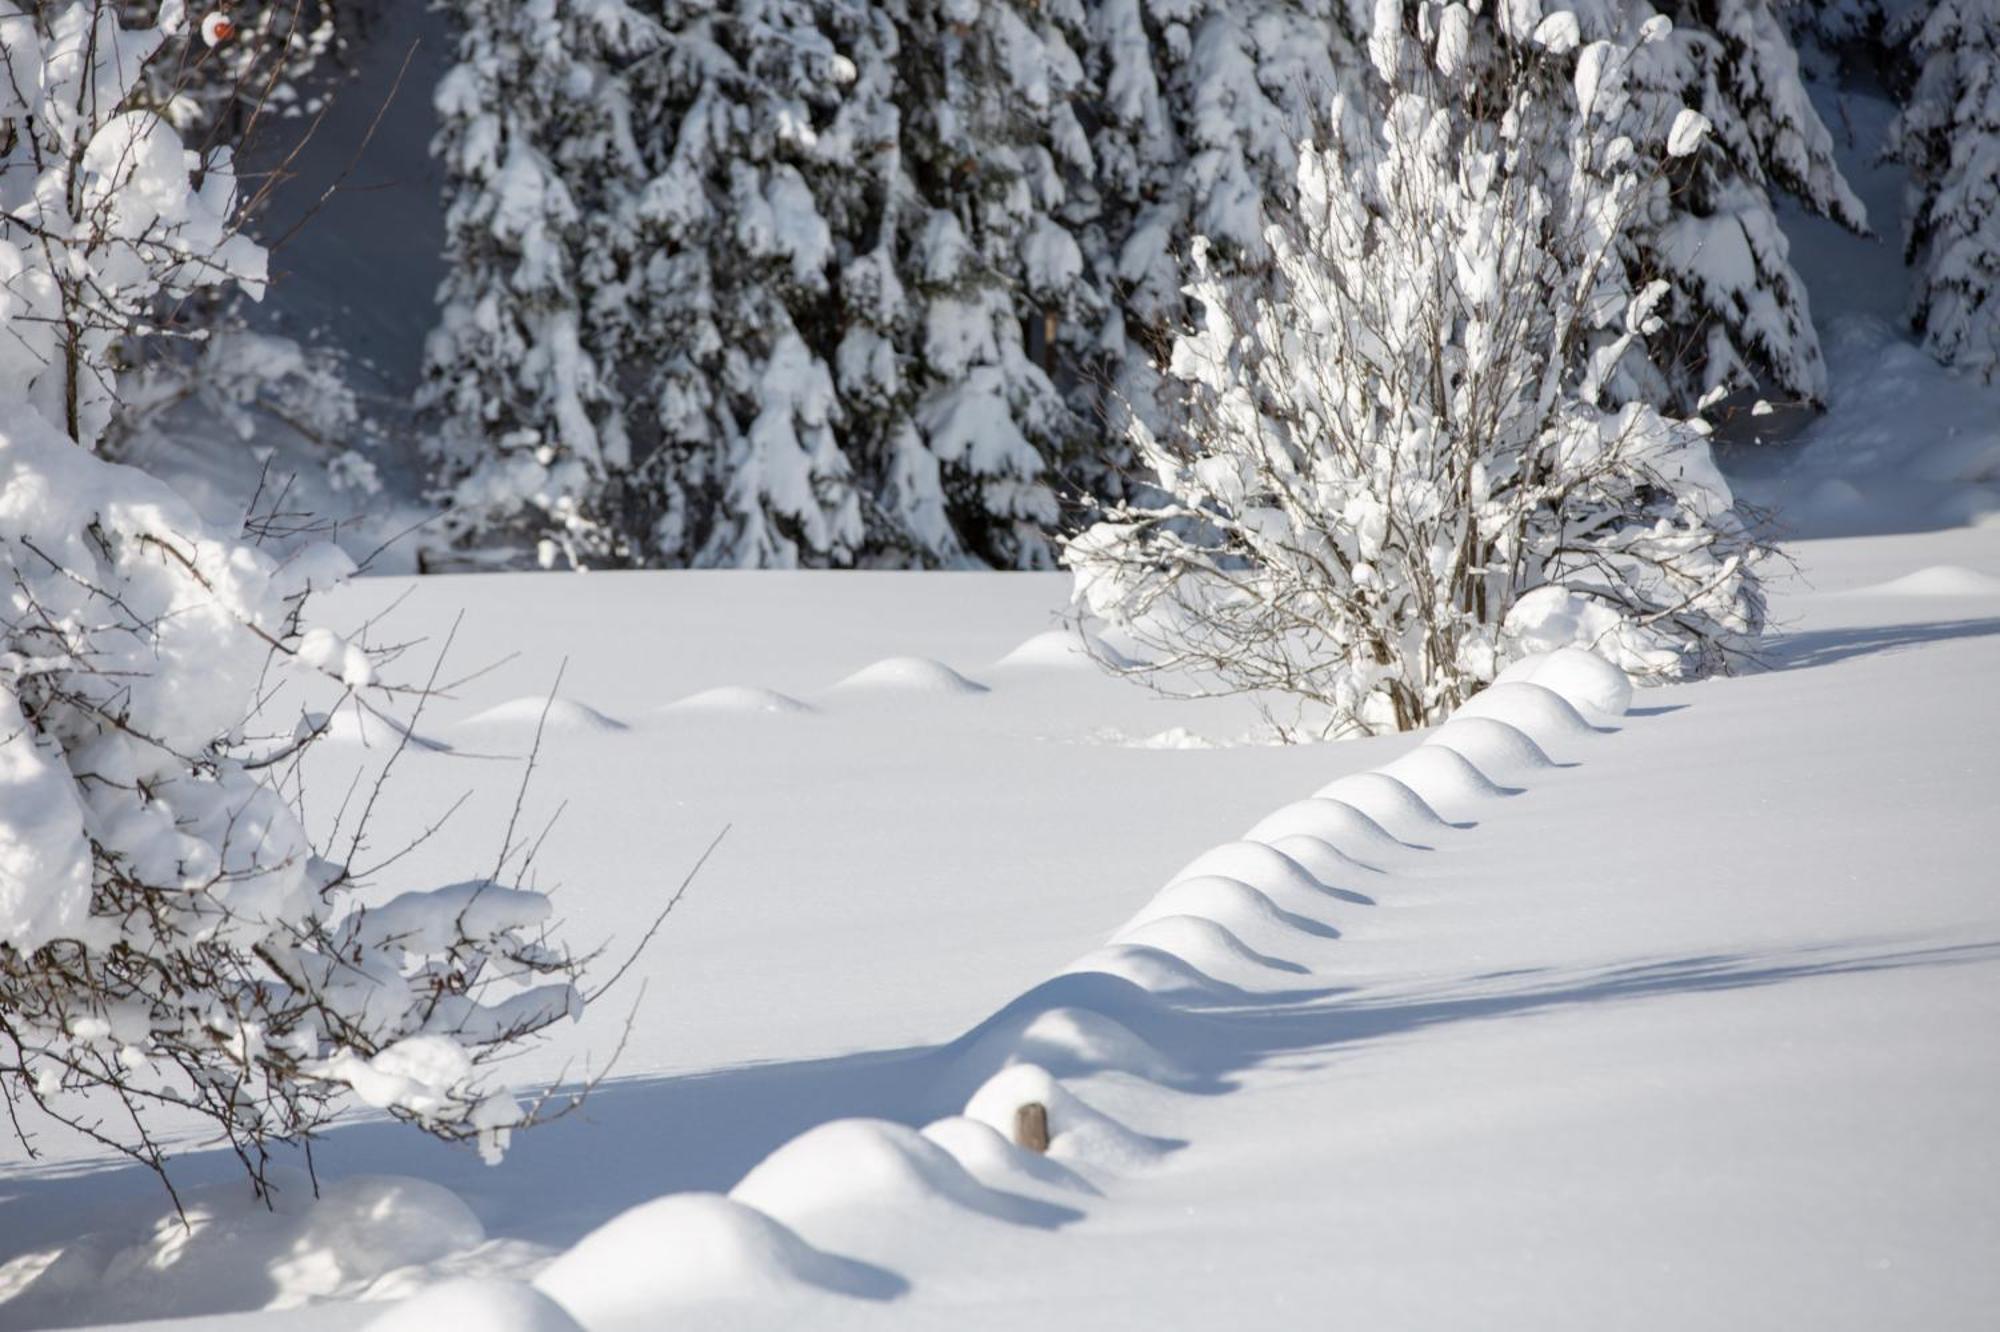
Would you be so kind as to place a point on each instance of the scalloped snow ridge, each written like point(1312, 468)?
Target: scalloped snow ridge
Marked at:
point(1234, 926)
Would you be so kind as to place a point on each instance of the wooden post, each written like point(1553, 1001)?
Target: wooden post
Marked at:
point(1031, 1127)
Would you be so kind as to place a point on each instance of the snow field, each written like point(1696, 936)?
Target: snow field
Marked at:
point(821, 1217)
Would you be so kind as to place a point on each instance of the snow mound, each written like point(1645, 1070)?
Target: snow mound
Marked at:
point(1263, 867)
point(992, 1158)
point(469, 1302)
point(1176, 737)
point(1228, 902)
point(848, 1161)
point(1079, 1134)
point(1588, 681)
point(353, 724)
point(1059, 649)
point(912, 675)
point(1546, 716)
point(691, 1248)
point(526, 713)
point(1387, 800)
point(1212, 949)
point(235, 1254)
point(1939, 580)
point(738, 699)
point(1445, 779)
point(1327, 863)
point(1152, 969)
point(1074, 1040)
point(1338, 824)
point(1497, 748)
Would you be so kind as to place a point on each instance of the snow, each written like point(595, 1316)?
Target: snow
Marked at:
point(529, 712)
point(691, 1249)
point(739, 698)
point(1553, 1069)
point(917, 675)
point(1588, 1008)
point(490, 1305)
point(1938, 580)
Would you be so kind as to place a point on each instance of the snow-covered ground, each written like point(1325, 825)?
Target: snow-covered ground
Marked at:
point(1693, 1025)
point(1695, 1028)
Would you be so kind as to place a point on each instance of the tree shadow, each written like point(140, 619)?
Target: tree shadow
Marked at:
point(644, 1136)
point(1825, 647)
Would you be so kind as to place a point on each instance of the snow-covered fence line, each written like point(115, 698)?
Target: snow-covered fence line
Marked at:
point(1231, 931)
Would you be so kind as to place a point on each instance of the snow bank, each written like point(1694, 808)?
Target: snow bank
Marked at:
point(992, 1158)
point(1264, 868)
point(914, 675)
point(1086, 1036)
point(1446, 780)
point(1228, 902)
point(1326, 863)
point(629, 1274)
point(1334, 822)
point(738, 699)
point(354, 723)
point(1400, 811)
point(527, 712)
point(1059, 649)
point(854, 1161)
point(1155, 970)
point(1939, 580)
point(1544, 715)
point(1499, 749)
point(470, 1303)
point(1212, 949)
point(235, 1254)
point(1079, 1134)
point(1588, 681)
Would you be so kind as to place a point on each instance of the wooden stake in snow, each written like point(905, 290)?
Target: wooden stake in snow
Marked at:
point(1031, 1127)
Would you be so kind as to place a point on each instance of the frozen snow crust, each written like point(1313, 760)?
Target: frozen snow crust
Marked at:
point(1238, 926)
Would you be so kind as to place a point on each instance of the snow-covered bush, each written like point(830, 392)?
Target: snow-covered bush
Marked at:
point(169, 935)
point(248, 62)
point(1949, 135)
point(172, 940)
point(1392, 475)
point(106, 220)
point(1735, 315)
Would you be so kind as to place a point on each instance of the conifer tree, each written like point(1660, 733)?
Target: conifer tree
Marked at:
point(1949, 135)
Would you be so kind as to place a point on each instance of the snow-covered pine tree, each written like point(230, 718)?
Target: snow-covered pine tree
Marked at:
point(807, 255)
point(535, 140)
point(1393, 472)
point(983, 201)
point(717, 284)
point(1949, 136)
point(1197, 110)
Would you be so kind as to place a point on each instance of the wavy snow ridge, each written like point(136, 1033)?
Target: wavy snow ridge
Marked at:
point(1236, 920)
